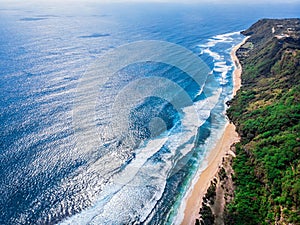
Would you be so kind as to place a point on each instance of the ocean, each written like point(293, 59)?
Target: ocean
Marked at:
point(109, 109)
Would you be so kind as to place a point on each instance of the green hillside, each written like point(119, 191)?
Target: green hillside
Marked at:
point(266, 112)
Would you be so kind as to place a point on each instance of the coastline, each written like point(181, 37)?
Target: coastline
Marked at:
point(237, 73)
point(216, 155)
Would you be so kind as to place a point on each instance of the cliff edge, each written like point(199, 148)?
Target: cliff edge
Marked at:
point(264, 185)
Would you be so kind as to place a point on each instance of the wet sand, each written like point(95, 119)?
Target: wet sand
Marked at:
point(214, 158)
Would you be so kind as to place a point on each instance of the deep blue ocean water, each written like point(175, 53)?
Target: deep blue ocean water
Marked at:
point(52, 169)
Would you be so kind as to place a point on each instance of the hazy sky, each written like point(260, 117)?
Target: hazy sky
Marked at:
point(170, 1)
point(207, 1)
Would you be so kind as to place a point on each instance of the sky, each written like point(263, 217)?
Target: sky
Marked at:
point(171, 1)
point(207, 1)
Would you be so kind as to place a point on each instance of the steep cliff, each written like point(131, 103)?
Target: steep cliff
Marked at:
point(266, 112)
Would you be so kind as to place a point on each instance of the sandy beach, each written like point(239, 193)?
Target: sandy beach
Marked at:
point(214, 158)
point(237, 81)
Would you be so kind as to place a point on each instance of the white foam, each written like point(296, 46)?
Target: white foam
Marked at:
point(222, 68)
point(209, 44)
point(221, 38)
point(220, 65)
point(218, 39)
point(226, 35)
point(214, 55)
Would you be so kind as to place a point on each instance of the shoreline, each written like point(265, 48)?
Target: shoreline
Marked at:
point(215, 157)
point(237, 73)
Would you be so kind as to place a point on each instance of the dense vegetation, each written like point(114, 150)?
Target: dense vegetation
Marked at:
point(266, 112)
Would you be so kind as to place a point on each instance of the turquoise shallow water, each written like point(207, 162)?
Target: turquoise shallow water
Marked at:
point(120, 150)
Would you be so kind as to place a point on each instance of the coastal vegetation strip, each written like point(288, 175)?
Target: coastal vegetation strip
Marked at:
point(266, 112)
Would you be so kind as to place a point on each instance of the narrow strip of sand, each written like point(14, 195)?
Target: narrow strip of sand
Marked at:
point(237, 81)
point(214, 159)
